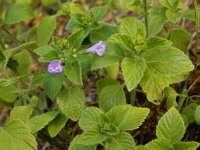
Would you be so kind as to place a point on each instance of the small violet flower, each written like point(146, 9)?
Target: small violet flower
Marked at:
point(98, 48)
point(55, 67)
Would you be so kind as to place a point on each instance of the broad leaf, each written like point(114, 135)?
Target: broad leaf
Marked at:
point(158, 144)
point(18, 12)
point(186, 146)
point(111, 96)
point(71, 102)
point(171, 127)
point(154, 42)
point(189, 112)
point(16, 135)
point(8, 93)
point(45, 29)
point(57, 124)
point(52, 84)
point(133, 71)
point(75, 145)
point(73, 72)
point(126, 4)
point(197, 115)
point(38, 122)
point(127, 117)
point(122, 141)
point(98, 12)
point(171, 97)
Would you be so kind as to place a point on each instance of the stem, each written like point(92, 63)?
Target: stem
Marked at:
point(146, 17)
point(10, 34)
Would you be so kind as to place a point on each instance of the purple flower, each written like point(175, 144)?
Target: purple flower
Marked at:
point(55, 67)
point(98, 48)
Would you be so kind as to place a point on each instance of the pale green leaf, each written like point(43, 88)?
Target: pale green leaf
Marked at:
point(91, 118)
point(71, 102)
point(8, 93)
point(38, 122)
point(16, 136)
point(18, 12)
point(126, 4)
point(17, 112)
point(171, 127)
point(197, 115)
point(131, 27)
point(73, 72)
point(113, 70)
point(180, 38)
point(127, 117)
point(52, 84)
point(133, 71)
point(111, 96)
point(154, 42)
point(45, 29)
point(158, 144)
point(171, 97)
point(75, 145)
point(186, 146)
point(98, 12)
point(189, 112)
point(57, 124)
point(122, 141)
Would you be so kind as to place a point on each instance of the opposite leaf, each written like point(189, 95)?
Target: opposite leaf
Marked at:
point(171, 127)
point(133, 71)
point(127, 117)
point(71, 102)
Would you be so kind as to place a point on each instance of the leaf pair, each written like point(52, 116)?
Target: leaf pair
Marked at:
point(110, 128)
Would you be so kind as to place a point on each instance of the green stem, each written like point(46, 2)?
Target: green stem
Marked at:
point(10, 34)
point(146, 17)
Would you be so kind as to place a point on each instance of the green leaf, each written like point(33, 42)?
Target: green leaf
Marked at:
point(45, 29)
point(111, 96)
point(38, 122)
point(167, 61)
point(133, 71)
point(197, 115)
point(17, 112)
point(73, 72)
point(171, 127)
point(122, 141)
point(2, 57)
point(91, 118)
point(171, 97)
point(103, 33)
point(16, 135)
point(102, 83)
point(170, 4)
point(42, 51)
point(17, 13)
point(180, 39)
point(23, 1)
point(113, 70)
point(57, 124)
point(71, 103)
point(8, 93)
point(98, 12)
point(173, 16)
point(75, 145)
point(52, 84)
point(189, 112)
point(158, 144)
point(154, 42)
point(131, 27)
point(105, 61)
point(127, 117)
point(186, 146)
point(126, 4)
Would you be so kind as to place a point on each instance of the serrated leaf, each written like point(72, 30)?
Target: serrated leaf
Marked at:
point(186, 146)
point(102, 83)
point(91, 118)
point(197, 115)
point(171, 97)
point(167, 61)
point(158, 144)
point(45, 29)
point(17, 112)
point(75, 145)
point(127, 117)
point(133, 71)
point(105, 61)
point(16, 135)
point(171, 126)
point(111, 96)
point(71, 102)
point(17, 13)
point(73, 72)
point(8, 93)
point(98, 12)
point(126, 4)
point(52, 84)
point(57, 124)
point(38, 122)
point(131, 27)
point(154, 42)
point(180, 43)
point(122, 141)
